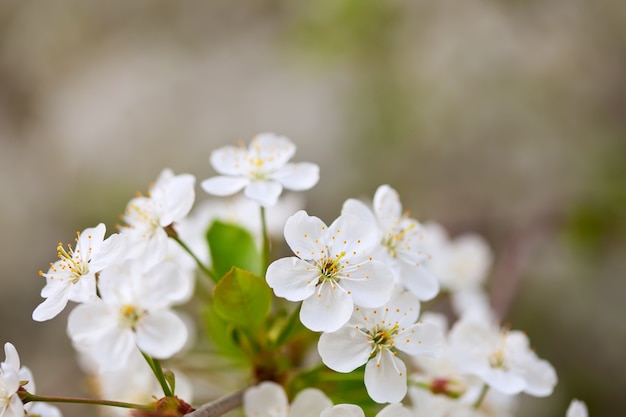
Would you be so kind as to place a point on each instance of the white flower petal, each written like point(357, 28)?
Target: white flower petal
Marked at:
point(385, 378)
point(370, 285)
point(84, 290)
point(175, 198)
point(503, 381)
point(298, 177)
point(326, 310)
point(352, 237)
point(54, 304)
point(15, 408)
point(419, 280)
point(161, 334)
point(420, 339)
point(223, 186)
point(306, 235)
point(90, 240)
point(44, 410)
point(272, 149)
point(577, 408)
point(11, 357)
point(358, 209)
point(309, 402)
point(540, 378)
point(403, 308)
point(265, 193)
point(268, 399)
point(387, 206)
point(228, 160)
point(292, 278)
point(394, 410)
point(161, 286)
point(343, 410)
point(344, 350)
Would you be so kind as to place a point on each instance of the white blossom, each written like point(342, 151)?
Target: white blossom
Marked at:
point(12, 377)
point(261, 170)
point(268, 399)
point(333, 270)
point(502, 358)
point(73, 276)
point(169, 200)
point(401, 241)
point(374, 337)
point(134, 311)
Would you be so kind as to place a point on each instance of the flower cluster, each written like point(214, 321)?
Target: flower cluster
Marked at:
point(357, 333)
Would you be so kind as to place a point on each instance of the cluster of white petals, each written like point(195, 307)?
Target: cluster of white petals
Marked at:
point(73, 276)
point(401, 241)
point(374, 337)
point(133, 311)
point(268, 399)
point(261, 170)
point(127, 283)
point(333, 270)
point(360, 281)
point(502, 358)
point(13, 376)
point(169, 200)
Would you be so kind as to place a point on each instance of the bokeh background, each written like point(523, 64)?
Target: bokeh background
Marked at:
point(502, 117)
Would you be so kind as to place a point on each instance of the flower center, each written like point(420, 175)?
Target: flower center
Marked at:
point(73, 261)
point(496, 359)
point(329, 268)
point(393, 237)
point(129, 316)
point(382, 338)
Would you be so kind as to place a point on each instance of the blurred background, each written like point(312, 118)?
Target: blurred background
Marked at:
point(501, 117)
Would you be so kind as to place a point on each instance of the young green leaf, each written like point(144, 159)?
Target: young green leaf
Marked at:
point(243, 298)
point(231, 245)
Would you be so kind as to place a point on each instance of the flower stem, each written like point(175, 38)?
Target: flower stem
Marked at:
point(73, 400)
point(265, 255)
point(155, 365)
point(219, 407)
point(481, 397)
point(206, 270)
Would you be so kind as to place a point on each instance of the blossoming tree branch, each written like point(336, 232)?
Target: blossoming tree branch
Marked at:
point(335, 329)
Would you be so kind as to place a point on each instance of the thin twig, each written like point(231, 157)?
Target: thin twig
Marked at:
point(219, 407)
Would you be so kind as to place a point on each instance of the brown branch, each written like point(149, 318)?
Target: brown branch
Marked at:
point(220, 406)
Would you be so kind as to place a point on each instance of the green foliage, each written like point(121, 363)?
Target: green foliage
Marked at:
point(232, 246)
point(244, 299)
point(222, 335)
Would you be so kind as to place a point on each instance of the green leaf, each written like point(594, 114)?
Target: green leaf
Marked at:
point(243, 298)
point(222, 334)
point(231, 245)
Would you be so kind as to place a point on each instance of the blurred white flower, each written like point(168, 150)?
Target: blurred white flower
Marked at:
point(401, 241)
point(73, 276)
point(374, 336)
point(268, 399)
point(502, 358)
point(43, 410)
point(577, 408)
point(262, 170)
point(333, 270)
point(350, 410)
point(460, 264)
point(133, 311)
point(12, 377)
